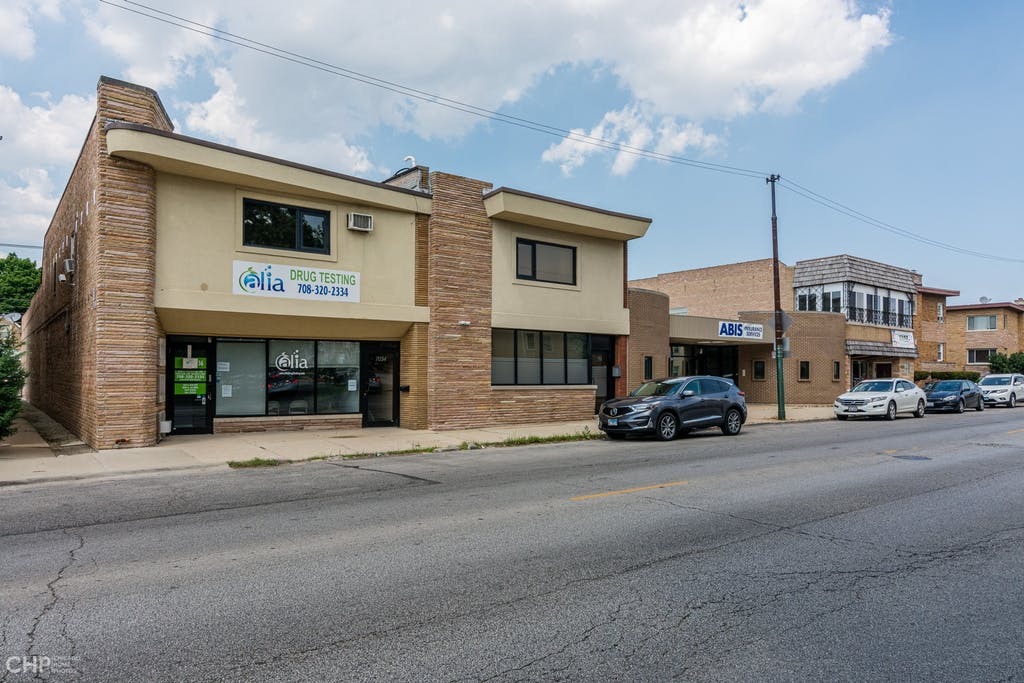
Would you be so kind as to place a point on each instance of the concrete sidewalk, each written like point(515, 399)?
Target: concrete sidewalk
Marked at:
point(27, 457)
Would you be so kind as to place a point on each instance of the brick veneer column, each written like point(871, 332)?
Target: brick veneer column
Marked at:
point(127, 369)
point(458, 289)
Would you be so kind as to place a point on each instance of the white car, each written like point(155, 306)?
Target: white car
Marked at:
point(881, 398)
point(1007, 390)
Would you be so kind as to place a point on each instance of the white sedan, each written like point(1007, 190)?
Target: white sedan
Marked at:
point(881, 398)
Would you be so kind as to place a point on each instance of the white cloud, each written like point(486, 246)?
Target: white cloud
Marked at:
point(223, 117)
point(40, 141)
point(624, 132)
point(681, 67)
point(19, 38)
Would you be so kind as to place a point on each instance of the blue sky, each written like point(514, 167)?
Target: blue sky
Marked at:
point(906, 111)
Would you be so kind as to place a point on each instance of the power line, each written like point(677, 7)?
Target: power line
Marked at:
point(527, 124)
point(424, 96)
point(806, 193)
point(20, 246)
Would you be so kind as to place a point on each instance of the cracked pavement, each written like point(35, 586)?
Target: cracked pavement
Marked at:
point(788, 553)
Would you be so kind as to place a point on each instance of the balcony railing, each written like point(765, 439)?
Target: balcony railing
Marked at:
point(873, 317)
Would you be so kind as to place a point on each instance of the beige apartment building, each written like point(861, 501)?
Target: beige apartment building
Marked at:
point(190, 287)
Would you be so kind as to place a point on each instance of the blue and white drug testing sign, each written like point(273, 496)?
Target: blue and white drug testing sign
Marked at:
point(294, 282)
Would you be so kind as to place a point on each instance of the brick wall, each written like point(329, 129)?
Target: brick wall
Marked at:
point(237, 425)
point(648, 336)
point(1008, 338)
point(723, 291)
point(93, 343)
point(930, 332)
point(127, 367)
point(459, 289)
point(413, 371)
point(59, 327)
point(815, 337)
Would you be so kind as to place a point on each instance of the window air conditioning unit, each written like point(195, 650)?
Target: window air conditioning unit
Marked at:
point(69, 265)
point(362, 222)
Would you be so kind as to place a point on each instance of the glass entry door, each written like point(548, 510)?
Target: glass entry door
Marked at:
point(190, 387)
point(380, 384)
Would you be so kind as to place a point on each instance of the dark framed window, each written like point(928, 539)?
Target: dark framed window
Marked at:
point(535, 357)
point(979, 355)
point(836, 371)
point(759, 369)
point(280, 226)
point(545, 262)
point(805, 370)
point(832, 301)
point(648, 367)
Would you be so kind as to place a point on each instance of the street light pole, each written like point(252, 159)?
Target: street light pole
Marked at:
point(780, 390)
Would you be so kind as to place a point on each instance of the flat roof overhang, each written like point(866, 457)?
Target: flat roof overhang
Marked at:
point(517, 206)
point(228, 316)
point(194, 158)
point(692, 329)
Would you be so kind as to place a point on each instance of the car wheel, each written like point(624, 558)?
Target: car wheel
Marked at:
point(842, 417)
point(733, 422)
point(668, 427)
point(981, 404)
point(920, 409)
point(890, 411)
point(615, 436)
point(960, 406)
point(1013, 401)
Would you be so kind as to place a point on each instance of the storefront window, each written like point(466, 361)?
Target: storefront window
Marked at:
point(290, 377)
point(241, 378)
point(578, 358)
point(337, 389)
point(554, 357)
point(528, 357)
point(503, 367)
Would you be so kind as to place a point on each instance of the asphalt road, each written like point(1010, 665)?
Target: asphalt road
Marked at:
point(817, 551)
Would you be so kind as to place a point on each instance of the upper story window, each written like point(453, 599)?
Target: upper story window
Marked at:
point(940, 313)
point(280, 226)
point(832, 301)
point(544, 262)
point(807, 302)
point(981, 322)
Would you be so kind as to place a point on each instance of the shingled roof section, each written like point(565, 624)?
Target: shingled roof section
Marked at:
point(846, 268)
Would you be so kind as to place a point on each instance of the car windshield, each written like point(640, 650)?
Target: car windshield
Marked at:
point(995, 381)
point(874, 385)
point(654, 389)
point(944, 386)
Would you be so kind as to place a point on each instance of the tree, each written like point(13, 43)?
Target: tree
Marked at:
point(19, 280)
point(1017, 362)
point(12, 379)
point(999, 363)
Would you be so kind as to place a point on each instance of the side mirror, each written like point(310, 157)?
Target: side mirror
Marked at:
point(689, 392)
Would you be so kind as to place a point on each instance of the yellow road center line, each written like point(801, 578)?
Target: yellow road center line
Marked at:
point(1016, 431)
point(623, 491)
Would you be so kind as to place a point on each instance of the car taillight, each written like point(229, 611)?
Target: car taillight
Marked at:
point(741, 392)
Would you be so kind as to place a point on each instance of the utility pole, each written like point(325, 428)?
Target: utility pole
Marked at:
point(780, 390)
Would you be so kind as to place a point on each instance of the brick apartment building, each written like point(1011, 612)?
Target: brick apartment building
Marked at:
point(192, 287)
point(979, 330)
point(848, 319)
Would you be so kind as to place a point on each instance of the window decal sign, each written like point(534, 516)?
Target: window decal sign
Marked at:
point(294, 282)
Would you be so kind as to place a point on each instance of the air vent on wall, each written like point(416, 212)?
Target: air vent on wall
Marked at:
point(69, 265)
point(360, 221)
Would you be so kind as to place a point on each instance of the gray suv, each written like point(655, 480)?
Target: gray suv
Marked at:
point(670, 407)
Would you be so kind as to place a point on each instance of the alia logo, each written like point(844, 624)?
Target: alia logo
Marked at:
point(292, 361)
point(263, 281)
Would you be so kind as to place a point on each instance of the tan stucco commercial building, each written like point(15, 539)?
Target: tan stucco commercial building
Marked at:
point(192, 287)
